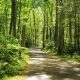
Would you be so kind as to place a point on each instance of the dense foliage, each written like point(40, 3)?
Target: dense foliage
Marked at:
point(49, 24)
point(13, 57)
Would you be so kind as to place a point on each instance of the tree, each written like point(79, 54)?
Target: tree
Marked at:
point(13, 19)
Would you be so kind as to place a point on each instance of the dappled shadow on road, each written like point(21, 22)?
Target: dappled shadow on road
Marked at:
point(52, 69)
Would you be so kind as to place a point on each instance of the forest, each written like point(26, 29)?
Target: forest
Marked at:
point(52, 26)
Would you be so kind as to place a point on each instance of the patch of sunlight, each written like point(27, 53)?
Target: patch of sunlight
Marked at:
point(76, 69)
point(68, 79)
point(39, 77)
point(15, 78)
point(78, 75)
point(37, 60)
point(38, 51)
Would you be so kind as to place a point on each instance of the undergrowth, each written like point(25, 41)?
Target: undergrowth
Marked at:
point(13, 57)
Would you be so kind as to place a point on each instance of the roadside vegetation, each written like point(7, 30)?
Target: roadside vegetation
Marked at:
point(13, 57)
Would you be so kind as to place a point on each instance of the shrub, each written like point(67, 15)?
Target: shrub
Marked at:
point(50, 45)
point(12, 56)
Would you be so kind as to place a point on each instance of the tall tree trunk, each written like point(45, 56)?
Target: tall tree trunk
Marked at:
point(61, 29)
point(44, 26)
point(6, 18)
point(78, 40)
point(35, 26)
point(23, 36)
point(13, 19)
point(56, 26)
point(19, 21)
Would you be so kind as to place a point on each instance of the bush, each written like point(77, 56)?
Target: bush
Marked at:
point(12, 56)
point(50, 48)
point(50, 45)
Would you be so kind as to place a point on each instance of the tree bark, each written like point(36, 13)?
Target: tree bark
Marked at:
point(13, 19)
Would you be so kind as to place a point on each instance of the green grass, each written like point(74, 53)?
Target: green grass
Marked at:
point(14, 77)
point(68, 57)
point(64, 57)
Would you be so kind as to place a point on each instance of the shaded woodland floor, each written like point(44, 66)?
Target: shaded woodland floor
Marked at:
point(43, 67)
